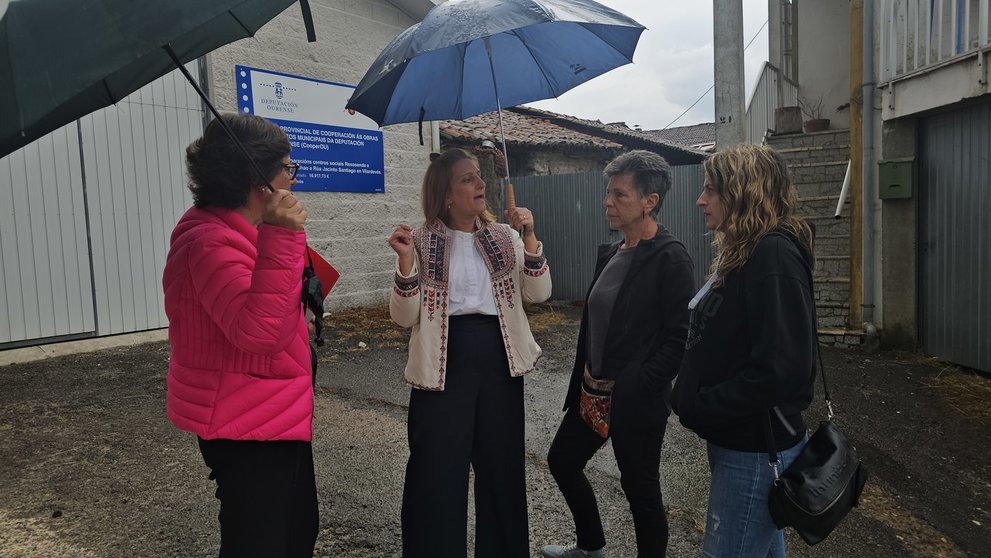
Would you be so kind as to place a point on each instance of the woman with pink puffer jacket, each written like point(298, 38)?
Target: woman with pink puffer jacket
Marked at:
point(240, 371)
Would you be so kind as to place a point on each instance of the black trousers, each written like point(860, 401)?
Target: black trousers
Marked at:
point(268, 497)
point(638, 455)
point(478, 421)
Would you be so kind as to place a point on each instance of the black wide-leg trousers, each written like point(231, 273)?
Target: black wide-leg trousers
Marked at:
point(476, 421)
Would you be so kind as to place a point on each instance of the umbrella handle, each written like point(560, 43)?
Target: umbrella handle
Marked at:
point(511, 202)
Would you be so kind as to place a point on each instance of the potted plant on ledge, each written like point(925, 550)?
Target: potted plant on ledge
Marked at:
point(813, 112)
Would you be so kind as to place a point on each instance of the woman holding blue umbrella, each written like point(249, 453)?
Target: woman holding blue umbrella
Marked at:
point(461, 281)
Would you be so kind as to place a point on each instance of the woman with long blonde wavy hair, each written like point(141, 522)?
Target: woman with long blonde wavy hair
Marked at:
point(749, 371)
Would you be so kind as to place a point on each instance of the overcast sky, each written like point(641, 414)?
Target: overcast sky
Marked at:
point(672, 66)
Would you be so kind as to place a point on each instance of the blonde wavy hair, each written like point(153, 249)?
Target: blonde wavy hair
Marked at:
point(437, 185)
point(758, 197)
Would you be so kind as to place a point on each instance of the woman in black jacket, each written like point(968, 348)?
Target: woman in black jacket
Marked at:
point(630, 345)
point(749, 359)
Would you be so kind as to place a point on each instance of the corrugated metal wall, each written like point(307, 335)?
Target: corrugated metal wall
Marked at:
point(125, 165)
point(44, 259)
point(955, 236)
point(681, 216)
point(571, 223)
point(134, 164)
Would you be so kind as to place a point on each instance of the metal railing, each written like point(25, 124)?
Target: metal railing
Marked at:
point(917, 35)
point(767, 96)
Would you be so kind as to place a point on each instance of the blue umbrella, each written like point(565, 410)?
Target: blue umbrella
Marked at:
point(472, 56)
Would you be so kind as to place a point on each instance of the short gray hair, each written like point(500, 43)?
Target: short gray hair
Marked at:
point(651, 173)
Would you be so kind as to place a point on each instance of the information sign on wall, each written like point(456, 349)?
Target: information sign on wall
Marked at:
point(336, 151)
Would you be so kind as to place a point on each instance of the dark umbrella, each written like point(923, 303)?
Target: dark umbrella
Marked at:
point(472, 56)
point(63, 59)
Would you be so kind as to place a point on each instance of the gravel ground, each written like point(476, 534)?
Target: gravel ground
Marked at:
point(90, 467)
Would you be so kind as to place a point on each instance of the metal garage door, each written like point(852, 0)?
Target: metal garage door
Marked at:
point(955, 236)
point(86, 216)
point(134, 164)
point(44, 259)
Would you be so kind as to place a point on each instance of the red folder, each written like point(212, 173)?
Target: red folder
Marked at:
point(325, 272)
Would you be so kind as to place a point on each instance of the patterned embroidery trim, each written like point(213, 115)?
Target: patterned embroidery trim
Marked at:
point(433, 250)
point(495, 243)
point(535, 271)
point(434, 299)
point(505, 288)
point(534, 262)
point(443, 343)
point(413, 384)
point(407, 283)
point(405, 294)
point(505, 339)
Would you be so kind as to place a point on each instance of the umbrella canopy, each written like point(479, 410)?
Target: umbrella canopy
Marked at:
point(452, 64)
point(62, 59)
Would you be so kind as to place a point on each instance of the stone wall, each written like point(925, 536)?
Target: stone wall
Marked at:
point(349, 229)
point(817, 164)
point(535, 162)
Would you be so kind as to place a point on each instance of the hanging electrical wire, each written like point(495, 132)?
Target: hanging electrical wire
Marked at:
point(752, 39)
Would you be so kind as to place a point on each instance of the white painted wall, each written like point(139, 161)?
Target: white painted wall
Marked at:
point(824, 57)
point(349, 229)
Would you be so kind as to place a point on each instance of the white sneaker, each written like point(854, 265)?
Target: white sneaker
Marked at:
point(571, 551)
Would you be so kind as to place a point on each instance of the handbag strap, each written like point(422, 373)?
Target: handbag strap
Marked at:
point(772, 454)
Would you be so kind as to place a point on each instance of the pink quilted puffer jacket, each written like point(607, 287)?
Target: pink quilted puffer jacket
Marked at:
point(240, 365)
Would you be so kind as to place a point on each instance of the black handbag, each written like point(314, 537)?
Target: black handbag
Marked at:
point(816, 491)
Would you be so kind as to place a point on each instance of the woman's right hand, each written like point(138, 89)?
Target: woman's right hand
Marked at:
point(284, 210)
point(401, 242)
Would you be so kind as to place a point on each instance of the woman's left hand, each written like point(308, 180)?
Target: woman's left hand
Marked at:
point(521, 219)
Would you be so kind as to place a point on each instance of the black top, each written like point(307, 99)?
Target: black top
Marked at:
point(751, 347)
point(645, 338)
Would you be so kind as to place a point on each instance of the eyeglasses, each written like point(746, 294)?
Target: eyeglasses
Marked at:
point(292, 169)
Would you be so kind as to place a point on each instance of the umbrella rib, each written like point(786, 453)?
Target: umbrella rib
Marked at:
point(241, 23)
point(461, 100)
point(587, 30)
point(110, 94)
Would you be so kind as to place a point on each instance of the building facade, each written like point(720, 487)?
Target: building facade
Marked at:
point(91, 206)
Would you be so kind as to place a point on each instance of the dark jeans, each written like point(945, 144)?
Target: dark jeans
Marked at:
point(478, 421)
point(268, 497)
point(638, 455)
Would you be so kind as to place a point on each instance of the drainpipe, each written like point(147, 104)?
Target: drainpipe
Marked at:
point(857, 233)
point(870, 187)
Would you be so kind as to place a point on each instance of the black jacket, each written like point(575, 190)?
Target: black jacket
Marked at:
point(751, 347)
point(647, 328)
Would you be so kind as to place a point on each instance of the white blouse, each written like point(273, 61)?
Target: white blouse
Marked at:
point(470, 286)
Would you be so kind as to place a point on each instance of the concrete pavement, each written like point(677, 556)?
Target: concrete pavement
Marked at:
point(89, 466)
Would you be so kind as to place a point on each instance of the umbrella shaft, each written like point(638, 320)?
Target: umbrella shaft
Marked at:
point(495, 85)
